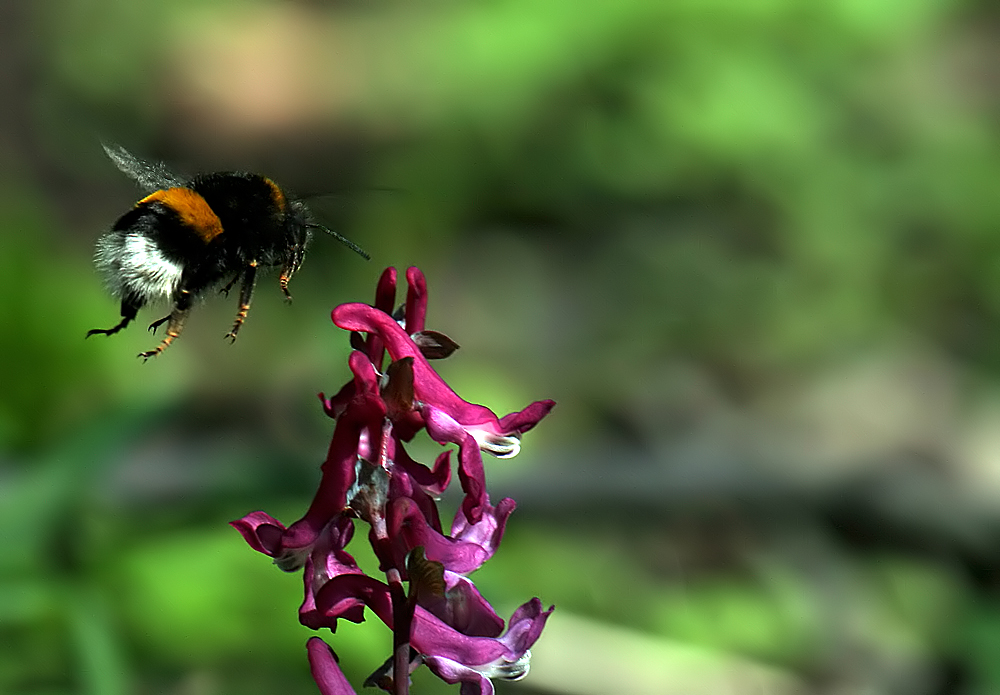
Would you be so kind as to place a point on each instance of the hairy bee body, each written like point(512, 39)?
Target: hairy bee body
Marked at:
point(190, 235)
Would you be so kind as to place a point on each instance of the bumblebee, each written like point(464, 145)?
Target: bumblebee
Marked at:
point(189, 235)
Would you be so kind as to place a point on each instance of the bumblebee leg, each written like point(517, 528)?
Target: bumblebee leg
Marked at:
point(291, 266)
point(246, 292)
point(129, 310)
point(229, 285)
point(182, 306)
point(157, 323)
point(283, 283)
point(110, 331)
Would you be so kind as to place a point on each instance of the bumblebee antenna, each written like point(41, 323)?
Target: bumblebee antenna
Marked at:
point(342, 239)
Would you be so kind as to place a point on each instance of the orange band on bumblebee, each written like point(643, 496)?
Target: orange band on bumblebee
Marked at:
point(192, 210)
point(276, 194)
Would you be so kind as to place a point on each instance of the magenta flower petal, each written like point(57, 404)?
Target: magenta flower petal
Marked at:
point(331, 497)
point(261, 531)
point(406, 523)
point(481, 661)
point(385, 298)
point(351, 436)
point(492, 657)
point(466, 610)
point(471, 475)
point(522, 421)
point(488, 531)
point(428, 386)
point(267, 535)
point(328, 560)
point(365, 382)
point(431, 635)
point(416, 300)
point(312, 616)
point(450, 671)
point(385, 291)
point(338, 403)
point(365, 411)
point(472, 478)
point(325, 671)
point(402, 485)
point(466, 550)
point(341, 596)
point(433, 394)
point(526, 625)
point(329, 556)
point(433, 481)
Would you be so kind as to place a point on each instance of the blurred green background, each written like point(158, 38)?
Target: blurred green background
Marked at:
point(751, 247)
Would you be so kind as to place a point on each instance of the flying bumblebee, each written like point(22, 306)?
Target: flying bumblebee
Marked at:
point(189, 235)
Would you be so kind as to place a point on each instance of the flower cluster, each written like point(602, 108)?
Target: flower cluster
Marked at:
point(439, 618)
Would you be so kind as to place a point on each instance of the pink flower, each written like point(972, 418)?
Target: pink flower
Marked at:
point(442, 620)
point(473, 655)
point(512, 663)
point(325, 670)
point(448, 418)
point(468, 546)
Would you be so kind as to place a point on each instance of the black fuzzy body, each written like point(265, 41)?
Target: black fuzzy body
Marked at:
point(260, 226)
point(191, 235)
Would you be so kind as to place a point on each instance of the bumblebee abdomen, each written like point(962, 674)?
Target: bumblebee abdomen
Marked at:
point(150, 247)
point(136, 268)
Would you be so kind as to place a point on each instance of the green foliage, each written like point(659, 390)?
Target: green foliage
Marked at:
point(598, 189)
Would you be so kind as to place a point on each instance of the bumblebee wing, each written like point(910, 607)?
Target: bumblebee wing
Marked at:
point(151, 176)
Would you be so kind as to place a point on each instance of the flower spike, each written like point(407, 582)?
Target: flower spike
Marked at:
point(368, 477)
